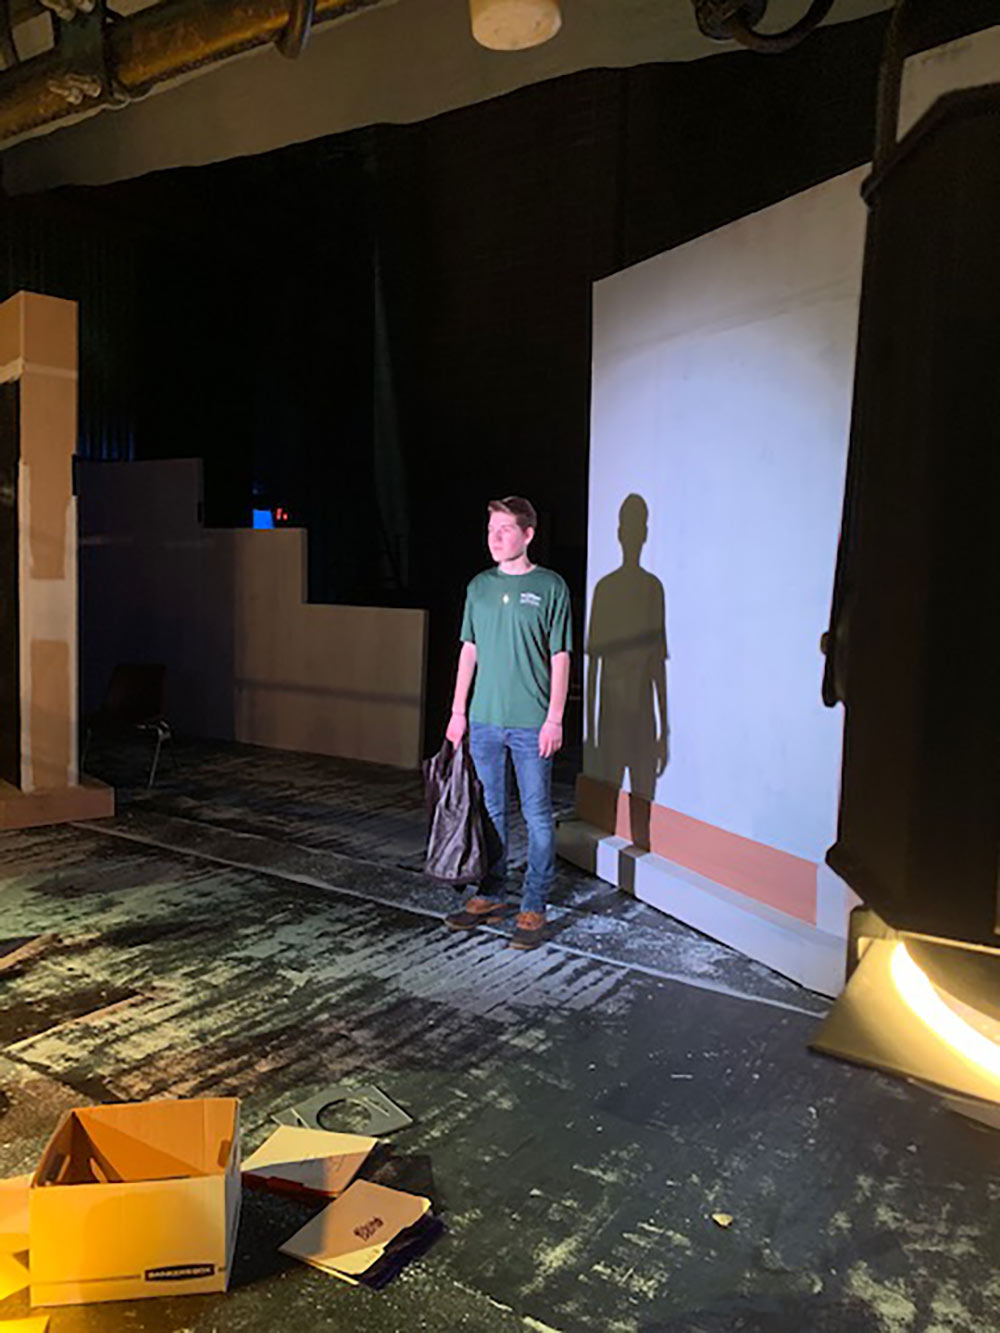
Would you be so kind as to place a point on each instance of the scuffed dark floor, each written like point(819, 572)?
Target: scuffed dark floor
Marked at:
point(256, 926)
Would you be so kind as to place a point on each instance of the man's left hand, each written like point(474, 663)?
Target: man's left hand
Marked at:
point(550, 739)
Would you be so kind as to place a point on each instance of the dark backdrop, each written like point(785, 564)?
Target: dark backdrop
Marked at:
point(381, 330)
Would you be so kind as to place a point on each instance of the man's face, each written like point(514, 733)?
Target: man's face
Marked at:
point(507, 539)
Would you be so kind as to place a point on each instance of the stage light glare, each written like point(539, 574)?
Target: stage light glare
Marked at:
point(514, 25)
point(917, 991)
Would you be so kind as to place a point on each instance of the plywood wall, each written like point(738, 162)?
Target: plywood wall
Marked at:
point(248, 658)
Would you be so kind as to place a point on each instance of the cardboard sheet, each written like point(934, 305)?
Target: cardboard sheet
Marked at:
point(14, 1214)
point(351, 1235)
point(384, 1116)
point(13, 1275)
point(15, 952)
point(38, 1323)
point(312, 1160)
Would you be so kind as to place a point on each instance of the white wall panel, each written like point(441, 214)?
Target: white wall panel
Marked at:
point(722, 391)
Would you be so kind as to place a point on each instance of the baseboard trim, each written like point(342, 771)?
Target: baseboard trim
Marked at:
point(812, 957)
point(88, 799)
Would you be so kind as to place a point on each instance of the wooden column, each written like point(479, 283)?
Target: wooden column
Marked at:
point(39, 723)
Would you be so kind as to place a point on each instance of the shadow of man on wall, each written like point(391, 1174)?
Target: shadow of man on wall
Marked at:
point(627, 726)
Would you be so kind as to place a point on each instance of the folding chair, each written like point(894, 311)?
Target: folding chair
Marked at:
point(133, 704)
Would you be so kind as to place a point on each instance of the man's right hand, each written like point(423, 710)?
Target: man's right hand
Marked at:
point(456, 729)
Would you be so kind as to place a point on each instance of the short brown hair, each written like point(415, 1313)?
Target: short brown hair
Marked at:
point(518, 507)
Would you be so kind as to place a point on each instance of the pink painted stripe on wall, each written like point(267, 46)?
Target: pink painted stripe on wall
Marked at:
point(761, 872)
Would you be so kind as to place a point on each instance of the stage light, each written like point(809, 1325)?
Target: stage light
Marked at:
point(894, 1017)
point(922, 998)
point(514, 25)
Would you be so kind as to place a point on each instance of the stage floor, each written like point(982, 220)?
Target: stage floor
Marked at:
point(257, 926)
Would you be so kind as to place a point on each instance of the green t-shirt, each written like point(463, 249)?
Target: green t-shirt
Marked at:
point(517, 622)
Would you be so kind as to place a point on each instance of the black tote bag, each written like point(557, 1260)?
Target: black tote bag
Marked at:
point(456, 840)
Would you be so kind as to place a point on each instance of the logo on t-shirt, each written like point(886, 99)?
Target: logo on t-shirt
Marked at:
point(530, 599)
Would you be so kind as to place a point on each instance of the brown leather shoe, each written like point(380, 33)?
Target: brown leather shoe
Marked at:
point(477, 912)
point(529, 931)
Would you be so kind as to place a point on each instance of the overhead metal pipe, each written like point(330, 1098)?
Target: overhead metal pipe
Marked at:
point(173, 38)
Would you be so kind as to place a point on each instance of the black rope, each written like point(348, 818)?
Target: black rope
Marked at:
point(773, 43)
point(8, 51)
point(890, 81)
point(294, 36)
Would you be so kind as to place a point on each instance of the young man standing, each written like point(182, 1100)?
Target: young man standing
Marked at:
point(516, 635)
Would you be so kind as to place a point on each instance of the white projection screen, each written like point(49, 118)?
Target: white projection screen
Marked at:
point(722, 382)
point(721, 396)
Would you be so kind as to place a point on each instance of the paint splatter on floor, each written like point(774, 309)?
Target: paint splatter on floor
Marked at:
point(580, 1112)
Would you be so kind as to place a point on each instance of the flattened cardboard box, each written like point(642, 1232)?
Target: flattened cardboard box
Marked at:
point(351, 1235)
point(134, 1200)
point(310, 1161)
point(13, 1275)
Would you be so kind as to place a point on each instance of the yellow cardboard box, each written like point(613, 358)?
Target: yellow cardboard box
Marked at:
point(138, 1199)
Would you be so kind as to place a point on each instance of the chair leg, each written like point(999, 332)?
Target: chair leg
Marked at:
point(156, 760)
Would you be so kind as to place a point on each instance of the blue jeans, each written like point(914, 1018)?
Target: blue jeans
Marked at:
point(490, 747)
